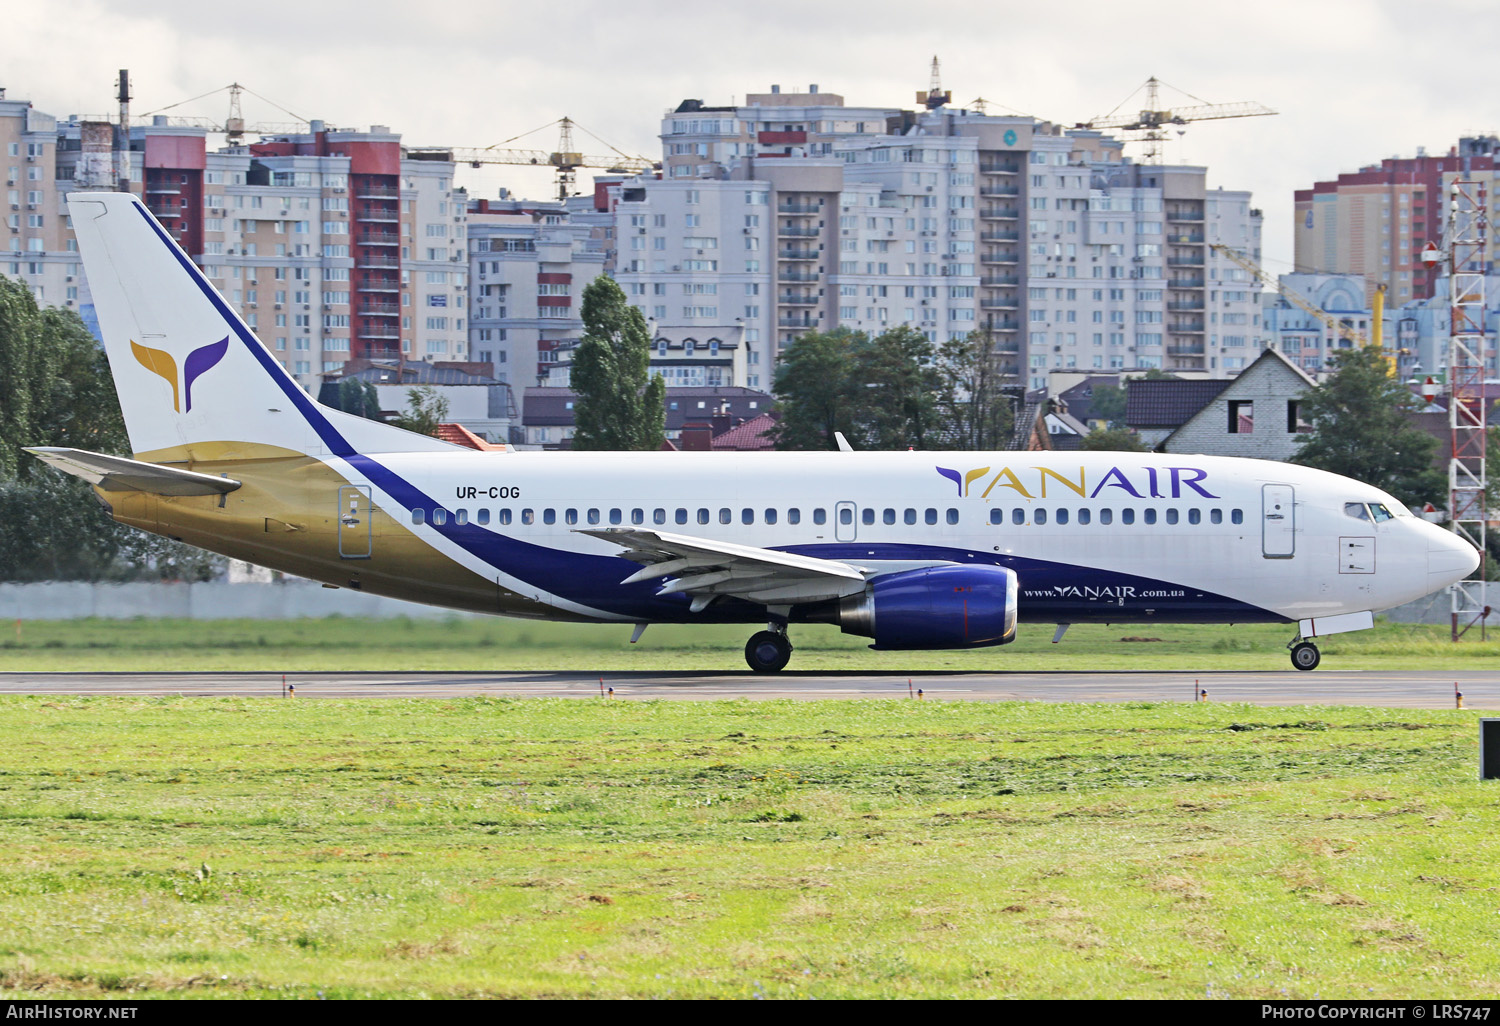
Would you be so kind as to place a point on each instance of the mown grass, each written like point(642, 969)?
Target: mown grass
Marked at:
point(496, 847)
point(457, 643)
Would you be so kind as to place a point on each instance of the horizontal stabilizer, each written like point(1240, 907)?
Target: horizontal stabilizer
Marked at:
point(118, 474)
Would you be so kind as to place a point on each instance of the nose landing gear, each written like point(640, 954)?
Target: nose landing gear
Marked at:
point(769, 651)
point(1305, 655)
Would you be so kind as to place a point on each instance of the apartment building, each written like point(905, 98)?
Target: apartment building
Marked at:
point(1304, 339)
point(1376, 221)
point(329, 243)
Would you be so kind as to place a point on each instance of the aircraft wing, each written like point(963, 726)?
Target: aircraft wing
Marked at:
point(118, 474)
point(705, 569)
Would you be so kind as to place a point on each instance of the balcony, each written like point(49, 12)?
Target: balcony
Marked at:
point(1000, 280)
point(796, 276)
point(999, 304)
point(795, 138)
point(1185, 261)
point(798, 231)
point(374, 352)
point(796, 322)
point(1191, 349)
point(378, 285)
point(377, 192)
point(1184, 238)
point(380, 310)
point(1185, 283)
point(1186, 304)
point(1003, 325)
point(997, 258)
point(1000, 235)
point(787, 299)
point(379, 239)
point(796, 254)
point(999, 213)
point(381, 214)
point(798, 208)
point(1186, 327)
point(1181, 214)
point(378, 331)
point(999, 190)
point(376, 260)
point(1000, 169)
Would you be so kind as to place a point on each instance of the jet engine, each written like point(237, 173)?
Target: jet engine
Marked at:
point(935, 607)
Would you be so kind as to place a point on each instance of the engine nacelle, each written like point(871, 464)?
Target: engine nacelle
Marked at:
point(935, 607)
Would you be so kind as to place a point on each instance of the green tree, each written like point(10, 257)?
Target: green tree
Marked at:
point(1112, 440)
point(26, 376)
point(812, 386)
point(426, 408)
point(620, 404)
point(1361, 429)
point(894, 391)
point(978, 412)
point(1108, 404)
point(359, 397)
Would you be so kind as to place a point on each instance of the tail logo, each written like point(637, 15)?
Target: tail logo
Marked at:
point(199, 361)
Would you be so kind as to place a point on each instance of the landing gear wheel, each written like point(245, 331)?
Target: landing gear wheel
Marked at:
point(1305, 656)
point(768, 652)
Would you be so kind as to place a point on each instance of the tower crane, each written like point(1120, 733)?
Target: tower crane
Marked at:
point(1153, 119)
point(233, 126)
point(935, 96)
point(566, 158)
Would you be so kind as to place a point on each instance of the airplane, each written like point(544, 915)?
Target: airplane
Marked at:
point(913, 550)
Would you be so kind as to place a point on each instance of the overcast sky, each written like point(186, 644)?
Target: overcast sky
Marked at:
point(1354, 80)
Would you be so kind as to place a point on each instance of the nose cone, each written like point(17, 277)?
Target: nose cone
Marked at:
point(1449, 558)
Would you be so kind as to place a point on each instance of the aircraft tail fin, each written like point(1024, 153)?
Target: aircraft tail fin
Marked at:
point(189, 371)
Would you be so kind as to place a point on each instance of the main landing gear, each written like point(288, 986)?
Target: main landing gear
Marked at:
point(1305, 655)
point(769, 651)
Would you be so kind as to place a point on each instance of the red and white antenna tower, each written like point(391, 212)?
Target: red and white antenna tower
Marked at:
point(1468, 253)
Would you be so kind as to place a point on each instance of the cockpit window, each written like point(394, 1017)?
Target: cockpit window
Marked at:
point(1381, 513)
point(1356, 510)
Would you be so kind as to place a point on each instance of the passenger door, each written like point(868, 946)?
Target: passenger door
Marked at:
point(1278, 521)
point(844, 527)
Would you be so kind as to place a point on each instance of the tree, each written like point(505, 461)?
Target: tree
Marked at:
point(359, 397)
point(25, 376)
point(1112, 440)
point(1108, 404)
point(1361, 429)
point(894, 391)
point(971, 387)
point(812, 387)
point(426, 408)
point(620, 404)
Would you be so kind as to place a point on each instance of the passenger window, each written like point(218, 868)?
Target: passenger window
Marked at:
point(637, 516)
point(1040, 516)
point(820, 515)
point(1381, 513)
point(1356, 510)
point(910, 516)
point(997, 515)
point(1062, 516)
point(482, 516)
point(593, 516)
point(461, 517)
point(725, 516)
point(702, 516)
point(439, 517)
point(549, 516)
point(1127, 516)
point(846, 516)
point(570, 516)
point(953, 516)
point(418, 516)
point(1085, 515)
point(528, 516)
point(794, 516)
point(1195, 516)
point(930, 516)
point(1171, 516)
point(1149, 516)
point(1106, 516)
point(747, 516)
point(868, 516)
point(1216, 516)
point(681, 516)
point(1236, 517)
point(658, 516)
point(770, 516)
point(505, 516)
point(888, 517)
point(616, 517)
point(1018, 516)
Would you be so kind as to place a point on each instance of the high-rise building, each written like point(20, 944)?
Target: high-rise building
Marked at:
point(1376, 221)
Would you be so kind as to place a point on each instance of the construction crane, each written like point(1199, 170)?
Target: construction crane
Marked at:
point(1337, 325)
point(233, 126)
point(566, 158)
point(1153, 119)
point(935, 97)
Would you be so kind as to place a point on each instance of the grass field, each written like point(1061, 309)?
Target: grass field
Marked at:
point(339, 643)
point(238, 847)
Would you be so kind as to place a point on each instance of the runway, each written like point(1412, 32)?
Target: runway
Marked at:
point(1396, 689)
